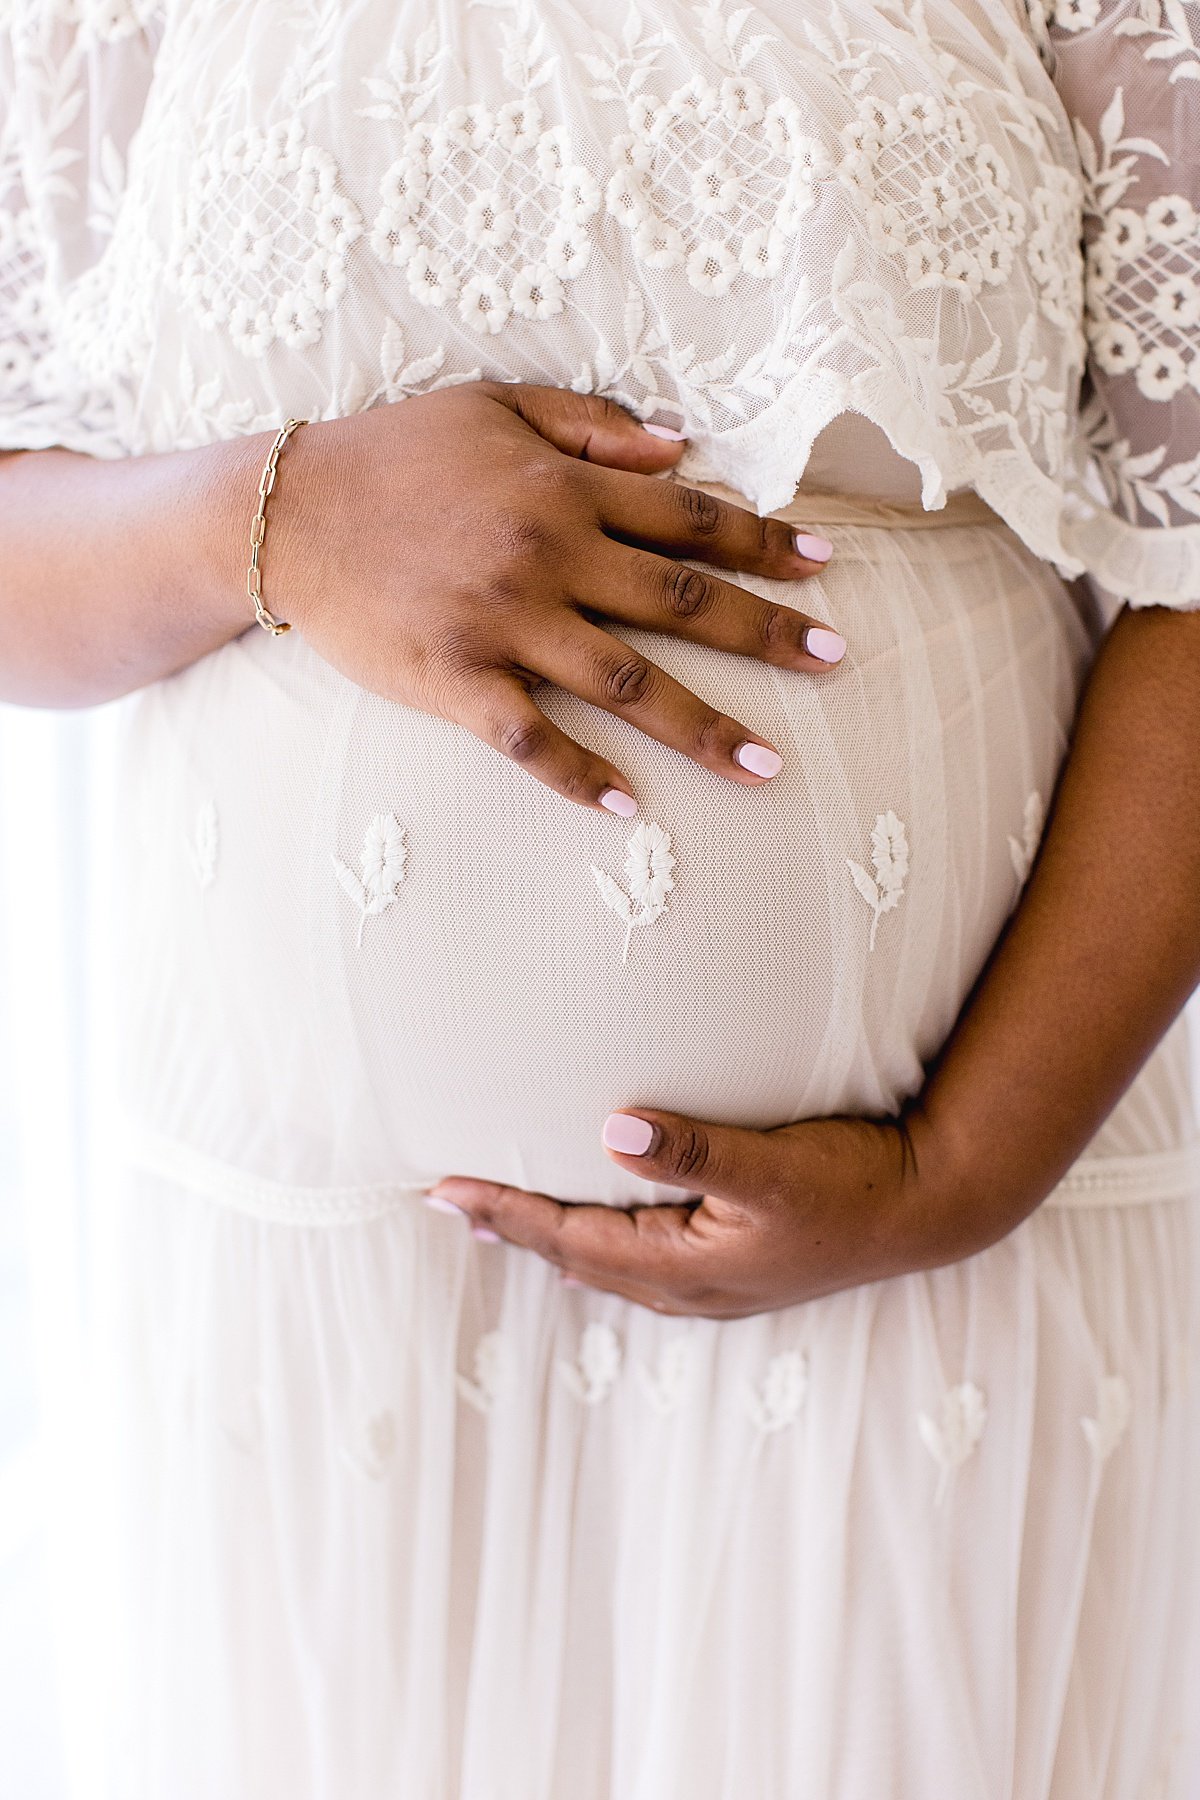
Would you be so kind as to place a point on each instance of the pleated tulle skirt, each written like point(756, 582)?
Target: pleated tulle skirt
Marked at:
point(406, 1520)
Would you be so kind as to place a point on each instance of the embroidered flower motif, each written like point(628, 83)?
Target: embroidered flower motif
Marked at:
point(648, 866)
point(490, 1369)
point(204, 845)
point(262, 239)
point(374, 1448)
point(889, 858)
point(384, 862)
point(1114, 1408)
point(953, 1439)
point(776, 1402)
point(665, 1386)
point(1025, 849)
point(592, 1377)
point(489, 212)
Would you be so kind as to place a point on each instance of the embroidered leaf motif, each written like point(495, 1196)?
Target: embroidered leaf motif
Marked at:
point(889, 858)
point(1025, 850)
point(490, 1365)
point(384, 864)
point(664, 1387)
point(592, 1376)
point(1113, 1410)
point(951, 1440)
point(776, 1402)
point(375, 1448)
point(648, 866)
point(203, 847)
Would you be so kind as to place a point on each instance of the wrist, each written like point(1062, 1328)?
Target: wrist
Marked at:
point(221, 484)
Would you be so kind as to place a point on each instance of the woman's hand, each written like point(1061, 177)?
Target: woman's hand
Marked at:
point(787, 1215)
point(453, 551)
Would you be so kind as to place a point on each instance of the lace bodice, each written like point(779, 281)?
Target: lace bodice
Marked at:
point(750, 220)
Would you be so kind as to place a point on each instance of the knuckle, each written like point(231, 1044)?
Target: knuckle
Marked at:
point(777, 628)
point(712, 737)
point(628, 681)
point(524, 740)
point(703, 514)
point(688, 1151)
point(522, 538)
point(558, 477)
point(689, 594)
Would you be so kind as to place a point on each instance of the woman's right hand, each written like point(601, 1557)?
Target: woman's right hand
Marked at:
point(453, 551)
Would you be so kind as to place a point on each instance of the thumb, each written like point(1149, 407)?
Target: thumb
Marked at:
point(591, 428)
point(722, 1161)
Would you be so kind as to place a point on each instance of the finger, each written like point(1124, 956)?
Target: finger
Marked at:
point(500, 711)
point(651, 1248)
point(749, 1169)
point(609, 674)
point(590, 427)
point(670, 515)
point(661, 595)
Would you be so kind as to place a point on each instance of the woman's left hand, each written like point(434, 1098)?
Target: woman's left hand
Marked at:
point(786, 1215)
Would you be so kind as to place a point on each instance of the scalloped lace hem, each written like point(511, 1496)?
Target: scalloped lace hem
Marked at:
point(765, 459)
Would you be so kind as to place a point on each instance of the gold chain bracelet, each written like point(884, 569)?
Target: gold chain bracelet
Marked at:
point(258, 529)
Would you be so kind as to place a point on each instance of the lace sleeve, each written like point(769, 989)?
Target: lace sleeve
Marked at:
point(71, 93)
point(1128, 73)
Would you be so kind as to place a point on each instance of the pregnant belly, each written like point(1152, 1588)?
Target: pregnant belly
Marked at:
point(364, 948)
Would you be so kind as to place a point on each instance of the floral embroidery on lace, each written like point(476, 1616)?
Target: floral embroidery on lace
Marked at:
point(384, 863)
point(593, 1375)
point(712, 178)
point(954, 1435)
point(204, 844)
point(1114, 1408)
point(487, 211)
point(261, 247)
point(777, 1400)
point(889, 859)
point(1024, 849)
point(665, 1385)
point(648, 866)
point(371, 1451)
point(490, 1365)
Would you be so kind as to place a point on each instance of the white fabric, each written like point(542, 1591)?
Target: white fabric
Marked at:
point(756, 219)
point(405, 1517)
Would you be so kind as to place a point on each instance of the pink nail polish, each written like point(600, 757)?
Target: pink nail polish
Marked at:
point(632, 1137)
point(816, 549)
point(664, 431)
point(759, 759)
point(571, 1281)
point(484, 1235)
point(826, 646)
point(439, 1204)
point(614, 801)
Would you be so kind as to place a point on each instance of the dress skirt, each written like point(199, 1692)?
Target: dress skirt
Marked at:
point(405, 1519)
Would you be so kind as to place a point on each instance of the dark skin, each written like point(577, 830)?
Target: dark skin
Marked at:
point(1099, 958)
point(115, 574)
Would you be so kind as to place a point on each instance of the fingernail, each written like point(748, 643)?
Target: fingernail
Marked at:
point(816, 549)
point(614, 801)
point(664, 431)
point(759, 759)
point(827, 646)
point(571, 1281)
point(439, 1204)
point(631, 1136)
point(484, 1235)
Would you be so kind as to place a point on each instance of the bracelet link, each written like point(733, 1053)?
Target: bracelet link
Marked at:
point(258, 531)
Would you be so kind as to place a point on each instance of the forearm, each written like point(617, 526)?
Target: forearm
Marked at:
point(1101, 954)
point(114, 573)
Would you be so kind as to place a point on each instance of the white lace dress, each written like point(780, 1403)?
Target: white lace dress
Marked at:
point(405, 1517)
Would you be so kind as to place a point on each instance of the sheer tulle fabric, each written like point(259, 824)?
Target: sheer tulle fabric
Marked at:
point(445, 1530)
